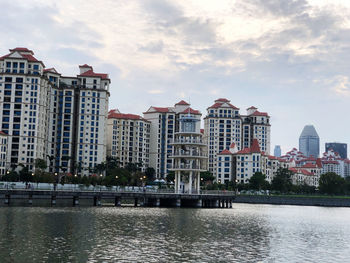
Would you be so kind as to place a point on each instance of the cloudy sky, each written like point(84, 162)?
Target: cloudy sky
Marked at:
point(288, 58)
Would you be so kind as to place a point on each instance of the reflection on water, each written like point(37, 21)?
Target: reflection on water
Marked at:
point(246, 233)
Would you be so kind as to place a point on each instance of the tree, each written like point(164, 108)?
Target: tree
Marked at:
point(40, 164)
point(171, 176)
point(282, 181)
point(150, 174)
point(331, 183)
point(258, 181)
point(207, 177)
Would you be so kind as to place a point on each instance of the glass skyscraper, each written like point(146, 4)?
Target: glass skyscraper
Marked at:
point(309, 142)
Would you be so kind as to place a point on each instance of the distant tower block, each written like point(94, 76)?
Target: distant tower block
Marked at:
point(277, 151)
point(189, 155)
point(309, 142)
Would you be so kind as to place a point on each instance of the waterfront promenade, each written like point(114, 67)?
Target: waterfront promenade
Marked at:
point(95, 196)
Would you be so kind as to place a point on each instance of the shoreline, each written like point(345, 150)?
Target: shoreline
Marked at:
point(327, 201)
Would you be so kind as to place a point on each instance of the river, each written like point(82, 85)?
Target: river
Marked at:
point(245, 233)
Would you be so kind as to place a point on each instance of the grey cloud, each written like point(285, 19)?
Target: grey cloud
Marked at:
point(171, 20)
point(153, 47)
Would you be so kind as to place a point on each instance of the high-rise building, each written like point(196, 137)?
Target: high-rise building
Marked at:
point(224, 125)
point(189, 155)
point(277, 151)
point(3, 153)
point(128, 138)
point(25, 96)
point(49, 116)
point(341, 148)
point(309, 142)
point(164, 124)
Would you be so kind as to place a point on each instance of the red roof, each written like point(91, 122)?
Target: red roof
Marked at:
point(114, 115)
point(182, 102)
point(271, 157)
point(330, 162)
point(309, 165)
point(219, 104)
point(21, 49)
point(91, 73)
point(255, 148)
point(28, 57)
point(258, 113)
point(157, 109)
point(252, 108)
point(222, 100)
point(232, 145)
point(300, 171)
point(191, 111)
point(225, 152)
point(85, 66)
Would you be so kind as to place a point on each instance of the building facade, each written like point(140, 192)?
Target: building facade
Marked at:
point(309, 142)
point(341, 148)
point(52, 117)
point(164, 123)
point(189, 155)
point(277, 151)
point(128, 138)
point(3, 153)
point(224, 125)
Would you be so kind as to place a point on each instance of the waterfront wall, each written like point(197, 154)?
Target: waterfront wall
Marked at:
point(293, 200)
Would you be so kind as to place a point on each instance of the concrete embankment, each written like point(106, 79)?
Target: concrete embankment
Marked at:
point(293, 200)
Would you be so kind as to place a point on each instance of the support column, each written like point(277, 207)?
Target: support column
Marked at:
point(30, 200)
point(216, 204)
point(157, 204)
point(117, 201)
point(98, 201)
point(190, 183)
point(178, 202)
point(75, 200)
point(230, 204)
point(7, 199)
point(53, 200)
point(199, 203)
point(198, 183)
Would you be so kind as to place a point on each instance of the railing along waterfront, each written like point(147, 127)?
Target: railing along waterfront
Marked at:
point(117, 189)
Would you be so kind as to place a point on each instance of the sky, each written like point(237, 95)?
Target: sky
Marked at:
point(288, 58)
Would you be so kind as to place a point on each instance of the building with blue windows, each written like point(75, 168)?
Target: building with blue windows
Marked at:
point(224, 126)
point(52, 117)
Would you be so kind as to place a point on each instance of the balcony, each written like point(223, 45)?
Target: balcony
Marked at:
point(187, 167)
point(188, 141)
point(189, 154)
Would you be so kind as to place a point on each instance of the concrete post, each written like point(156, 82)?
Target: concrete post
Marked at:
point(7, 199)
point(53, 200)
point(99, 201)
point(190, 183)
point(75, 200)
point(30, 200)
point(136, 202)
point(199, 203)
point(117, 201)
point(198, 183)
point(216, 203)
point(230, 204)
point(178, 202)
point(157, 202)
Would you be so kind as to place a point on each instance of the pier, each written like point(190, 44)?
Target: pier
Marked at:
point(159, 198)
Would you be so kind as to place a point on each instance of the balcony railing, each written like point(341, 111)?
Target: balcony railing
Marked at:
point(187, 167)
point(188, 141)
point(189, 153)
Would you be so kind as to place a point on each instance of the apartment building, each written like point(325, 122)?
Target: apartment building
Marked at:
point(224, 125)
point(164, 122)
point(52, 117)
point(128, 138)
point(3, 153)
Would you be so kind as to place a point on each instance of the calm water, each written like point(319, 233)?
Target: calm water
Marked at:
point(246, 233)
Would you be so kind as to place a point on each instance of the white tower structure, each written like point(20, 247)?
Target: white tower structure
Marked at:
point(189, 155)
